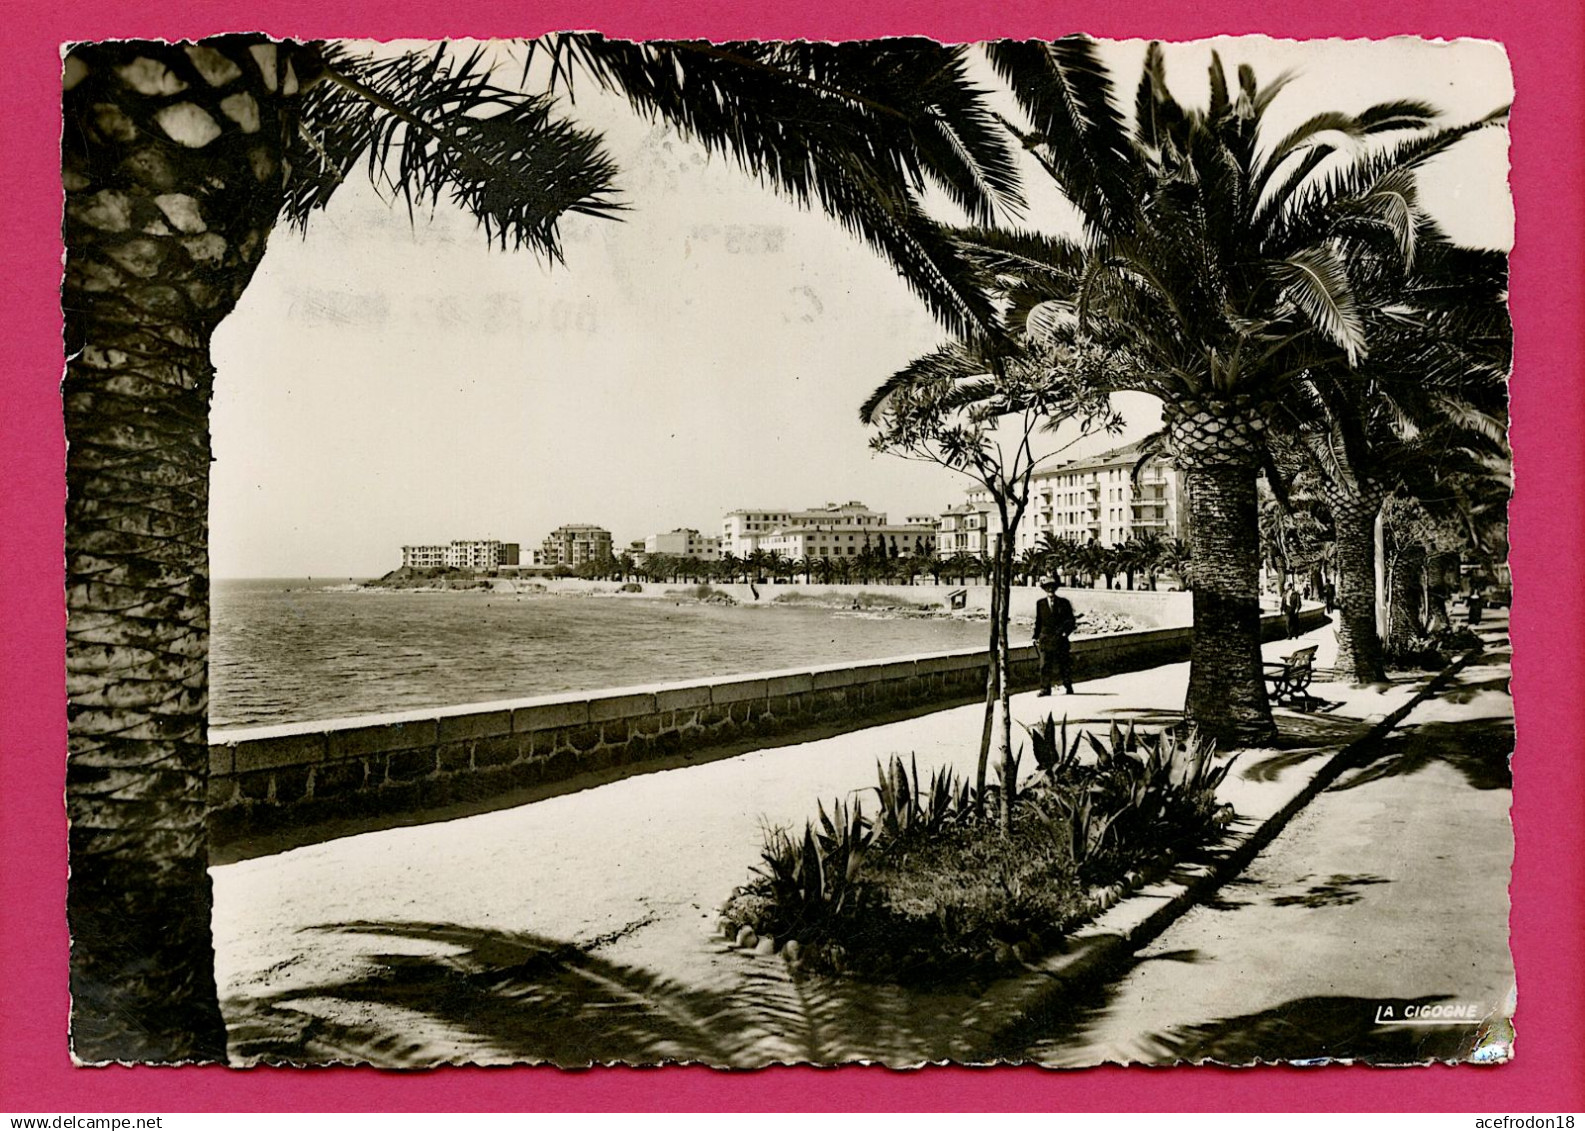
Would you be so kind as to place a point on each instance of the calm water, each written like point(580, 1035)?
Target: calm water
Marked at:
point(294, 651)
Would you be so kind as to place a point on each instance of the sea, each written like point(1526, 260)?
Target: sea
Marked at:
point(288, 650)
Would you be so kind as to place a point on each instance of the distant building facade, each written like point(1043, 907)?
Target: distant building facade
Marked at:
point(462, 553)
point(838, 541)
point(1097, 499)
point(833, 531)
point(1094, 498)
point(968, 528)
point(744, 531)
point(684, 542)
point(576, 544)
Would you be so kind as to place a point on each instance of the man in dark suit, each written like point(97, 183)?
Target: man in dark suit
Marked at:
point(1054, 623)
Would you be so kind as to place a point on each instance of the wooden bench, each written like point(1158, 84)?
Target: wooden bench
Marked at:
point(1290, 680)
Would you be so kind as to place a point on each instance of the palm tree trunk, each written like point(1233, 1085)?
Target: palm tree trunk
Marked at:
point(1227, 692)
point(1003, 575)
point(992, 694)
point(173, 167)
point(1405, 599)
point(1359, 651)
point(1227, 697)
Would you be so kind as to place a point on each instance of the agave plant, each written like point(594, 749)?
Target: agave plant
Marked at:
point(1057, 758)
point(1084, 822)
point(907, 810)
point(811, 880)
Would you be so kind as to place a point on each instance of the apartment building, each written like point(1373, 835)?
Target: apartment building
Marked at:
point(576, 543)
point(968, 528)
point(684, 542)
point(1096, 498)
point(817, 541)
point(462, 553)
point(744, 531)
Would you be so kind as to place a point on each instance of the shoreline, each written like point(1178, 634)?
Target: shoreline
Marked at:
point(879, 601)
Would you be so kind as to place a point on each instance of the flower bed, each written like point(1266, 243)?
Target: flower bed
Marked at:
point(935, 888)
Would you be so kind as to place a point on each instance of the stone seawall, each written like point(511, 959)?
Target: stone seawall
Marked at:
point(268, 778)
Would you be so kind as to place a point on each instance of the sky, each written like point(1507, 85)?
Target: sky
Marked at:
point(386, 381)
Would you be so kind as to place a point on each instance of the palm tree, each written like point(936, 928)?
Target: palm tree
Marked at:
point(1030, 564)
point(1435, 381)
point(1145, 550)
point(1055, 554)
point(1219, 256)
point(1175, 557)
point(179, 160)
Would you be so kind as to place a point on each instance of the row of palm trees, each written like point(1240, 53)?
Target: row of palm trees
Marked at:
point(1277, 293)
point(1286, 298)
point(1137, 563)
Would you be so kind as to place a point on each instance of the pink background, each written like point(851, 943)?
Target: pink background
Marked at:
point(1546, 41)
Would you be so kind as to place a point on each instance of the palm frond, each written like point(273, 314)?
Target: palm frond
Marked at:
point(1307, 213)
point(1402, 114)
point(1303, 135)
point(1020, 254)
point(857, 129)
point(1315, 281)
point(1066, 93)
point(1220, 103)
point(1150, 448)
point(1469, 418)
point(1391, 205)
point(946, 365)
point(1156, 114)
point(429, 126)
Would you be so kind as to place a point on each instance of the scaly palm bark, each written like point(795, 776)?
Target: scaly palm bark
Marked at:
point(1354, 506)
point(1217, 444)
point(172, 161)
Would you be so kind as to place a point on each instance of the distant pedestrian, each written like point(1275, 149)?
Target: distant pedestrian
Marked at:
point(1054, 623)
point(1477, 605)
point(1329, 595)
point(1290, 605)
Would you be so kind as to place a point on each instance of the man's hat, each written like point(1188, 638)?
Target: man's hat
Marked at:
point(1049, 583)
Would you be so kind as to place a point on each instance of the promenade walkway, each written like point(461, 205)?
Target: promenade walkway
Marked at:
point(1389, 889)
point(578, 929)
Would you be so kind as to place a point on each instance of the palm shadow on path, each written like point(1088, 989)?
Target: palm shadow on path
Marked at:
point(1479, 749)
point(1303, 1029)
point(482, 996)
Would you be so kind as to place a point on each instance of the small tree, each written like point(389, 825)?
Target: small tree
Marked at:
point(1413, 540)
point(977, 412)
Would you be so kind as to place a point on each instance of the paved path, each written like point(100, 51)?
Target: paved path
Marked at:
point(575, 929)
point(1389, 888)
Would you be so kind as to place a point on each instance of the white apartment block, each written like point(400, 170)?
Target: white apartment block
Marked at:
point(684, 542)
point(471, 553)
point(1097, 499)
point(576, 543)
point(744, 531)
point(968, 528)
point(848, 540)
point(1089, 499)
